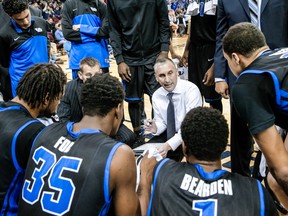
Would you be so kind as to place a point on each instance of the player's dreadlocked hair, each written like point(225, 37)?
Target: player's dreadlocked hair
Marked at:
point(12, 7)
point(41, 82)
point(100, 94)
point(205, 133)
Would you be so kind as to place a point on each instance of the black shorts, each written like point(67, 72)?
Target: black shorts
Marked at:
point(142, 81)
point(200, 60)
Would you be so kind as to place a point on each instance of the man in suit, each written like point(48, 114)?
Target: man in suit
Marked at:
point(70, 108)
point(273, 22)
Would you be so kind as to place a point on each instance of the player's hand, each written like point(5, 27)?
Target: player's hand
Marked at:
point(174, 55)
point(124, 72)
point(208, 78)
point(163, 150)
point(147, 167)
point(76, 27)
point(162, 54)
point(222, 89)
point(184, 58)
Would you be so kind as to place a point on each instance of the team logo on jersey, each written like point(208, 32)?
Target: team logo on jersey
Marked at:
point(93, 9)
point(75, 9)
point(38, 29)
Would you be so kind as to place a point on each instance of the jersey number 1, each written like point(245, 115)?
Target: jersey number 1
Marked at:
point(205, 207)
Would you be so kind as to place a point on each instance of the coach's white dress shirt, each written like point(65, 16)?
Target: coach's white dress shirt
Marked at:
point(186, 96)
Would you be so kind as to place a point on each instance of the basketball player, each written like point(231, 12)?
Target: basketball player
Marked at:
point(199, 186)
point(77, 169)
point(260, 96)
point(38, 93)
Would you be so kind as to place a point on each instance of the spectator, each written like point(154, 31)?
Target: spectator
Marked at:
point(181, 23)
point(60, 38)
point(38, 94)
point(173, 22)
point(34, 9)
point(51, 25)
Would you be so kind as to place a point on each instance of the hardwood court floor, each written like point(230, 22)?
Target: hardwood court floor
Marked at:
point(179, 44)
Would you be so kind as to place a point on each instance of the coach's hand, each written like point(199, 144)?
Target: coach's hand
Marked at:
point(163, 150)
point(124, 72)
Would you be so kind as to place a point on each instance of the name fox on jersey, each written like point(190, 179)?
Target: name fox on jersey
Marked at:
point(202, 189)
point(63, 144)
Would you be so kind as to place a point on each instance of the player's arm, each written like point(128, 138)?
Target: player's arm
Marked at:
point(69, 33)
point(115, 32)
point(103, 30)
point(123, 182)
point(164, 25)
point(5, 52)
point(144, 189)
point(272, 146)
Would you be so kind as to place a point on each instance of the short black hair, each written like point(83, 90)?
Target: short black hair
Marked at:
point(41, 82)
point(243, 38)
point(12, 7)
point(205, 133)
point(100, 94)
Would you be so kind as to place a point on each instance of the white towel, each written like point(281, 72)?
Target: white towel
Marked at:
point(152, 152)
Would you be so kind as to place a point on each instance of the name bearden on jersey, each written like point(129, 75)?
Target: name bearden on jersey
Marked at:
point(202, 189)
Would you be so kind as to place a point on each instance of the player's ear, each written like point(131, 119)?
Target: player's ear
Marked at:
point(235, 58)
point(119, 111)
point(46, 99)
point(184, 149)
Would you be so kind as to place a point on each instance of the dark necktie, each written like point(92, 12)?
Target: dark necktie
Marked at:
point(254, 11)
point(170, 117)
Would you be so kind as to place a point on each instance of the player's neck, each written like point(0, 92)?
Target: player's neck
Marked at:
point(93, 122)
point(208, 166)
point(256, 54)
point(33, 112)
